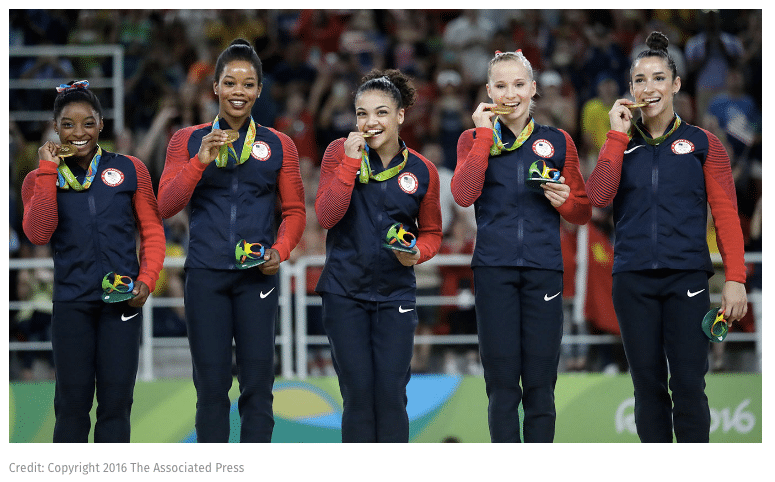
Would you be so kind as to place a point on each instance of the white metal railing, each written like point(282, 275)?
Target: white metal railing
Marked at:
point(115, 83)
point(303, 300)
point(292, 336)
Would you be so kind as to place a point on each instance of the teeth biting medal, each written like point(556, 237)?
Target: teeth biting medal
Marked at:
point(501, 109)
point(638, 105)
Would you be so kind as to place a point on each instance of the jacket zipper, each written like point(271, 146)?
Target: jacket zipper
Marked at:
point(96, 233)
point(654, 207)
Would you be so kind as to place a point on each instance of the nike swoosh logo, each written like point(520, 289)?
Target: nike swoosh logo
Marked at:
point(264, 295)
point(690, 294)
point(125, 318)
point(402, 310)
point(548, 298)
point(630, 150)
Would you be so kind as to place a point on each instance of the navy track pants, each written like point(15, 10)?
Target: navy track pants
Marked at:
point(660, 314)
point(221, 306)
point(519, 320)
point(95, 345)
point(371, 346)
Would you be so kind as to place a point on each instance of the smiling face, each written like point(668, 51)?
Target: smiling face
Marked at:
point(378, 114)
point(510, 84)
point(80, 125)
point(237, 90)
point(653, 82)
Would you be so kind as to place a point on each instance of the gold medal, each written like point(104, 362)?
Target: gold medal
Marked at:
point(502, 110)
point(639, 105)
point(66, 150)
point(366, 135)
point(231, 135)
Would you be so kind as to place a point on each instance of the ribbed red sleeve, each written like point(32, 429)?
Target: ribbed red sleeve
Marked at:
point(472, 158)
point(180, 175)
point(720, 189)
point(290, 191)
point(576, 209)
point(337, 178)
point(148, 221)
point(604, 180)
point(429, 217)
point(39, 197)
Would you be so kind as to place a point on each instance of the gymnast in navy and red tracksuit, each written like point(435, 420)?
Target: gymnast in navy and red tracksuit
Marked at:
point(517, 260)
point(232, 192)
point(90, 207)
point(660, 181)
point(368, 290)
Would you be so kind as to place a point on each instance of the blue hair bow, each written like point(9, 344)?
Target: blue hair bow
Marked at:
point(81, 84)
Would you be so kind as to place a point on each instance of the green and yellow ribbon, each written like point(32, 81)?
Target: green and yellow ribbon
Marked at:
point(497, 137)
point(223, 154)
point(66, 179)
point(658, 140)
point(366, 173)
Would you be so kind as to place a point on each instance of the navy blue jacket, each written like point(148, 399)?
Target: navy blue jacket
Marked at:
point(517, 226)
point(660, 195)
point(92, 232)
point(358, 217)
point(237, 201)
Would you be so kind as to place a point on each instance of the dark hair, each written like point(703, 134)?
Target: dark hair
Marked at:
point(391, 81)
point(239, 49)
point(80, 93)
point(657, 44)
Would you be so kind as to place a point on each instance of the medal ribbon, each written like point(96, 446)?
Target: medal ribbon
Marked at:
point(66, 179)
point(223, 154)
point(658, 140)
point(497, 142)
point(366, 174)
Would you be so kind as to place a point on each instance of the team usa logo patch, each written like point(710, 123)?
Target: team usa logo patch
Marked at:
point(543, 148)
point(682, 146)
point(112, 177)
point(408, 182)
point(261, 151)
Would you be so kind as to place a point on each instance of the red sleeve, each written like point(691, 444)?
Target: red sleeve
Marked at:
point(429, 217)
point(39, 197)
point(576, 209)
point(337, 179)
point(180, 174)
point(290, 191)
point(472, 158)
point(720, 188)
point(149, 227)
point(604, 180)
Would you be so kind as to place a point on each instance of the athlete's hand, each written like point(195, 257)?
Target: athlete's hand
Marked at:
point(482, 117)
point(141, 293)
point(211, 145)
point(620, 116)
point(408, 259)
point(48, 152)
point(272, 265)
point(734, 301)
point(354, 144)
point(557, 194)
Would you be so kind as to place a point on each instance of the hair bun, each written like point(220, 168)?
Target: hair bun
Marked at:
point(240, 41)
point(657, 41)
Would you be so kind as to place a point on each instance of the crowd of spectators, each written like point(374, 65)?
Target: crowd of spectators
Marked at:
point(313, 60)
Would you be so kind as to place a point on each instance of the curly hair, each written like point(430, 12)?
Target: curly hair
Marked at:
point(391, 81)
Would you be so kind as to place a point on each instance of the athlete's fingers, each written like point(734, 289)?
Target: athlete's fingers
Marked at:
point(272, 265)
point(141, 292)
point(408, 259)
